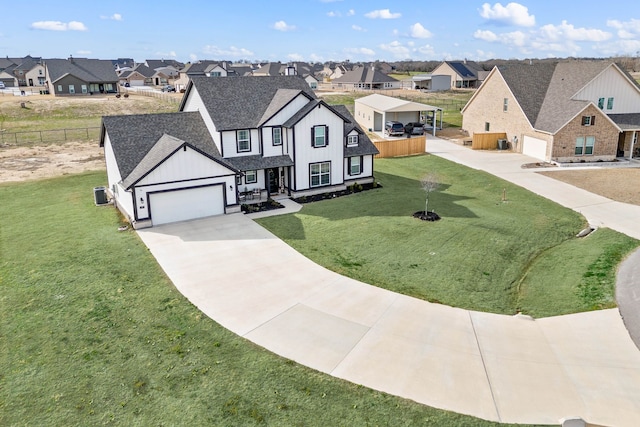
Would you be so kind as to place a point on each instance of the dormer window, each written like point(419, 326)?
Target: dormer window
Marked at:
point(352, 140)
point(243, 140)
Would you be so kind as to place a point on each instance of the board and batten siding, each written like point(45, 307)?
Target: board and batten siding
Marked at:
point(305, 154)
point(183, 169)
point(230, 146)
point(268, 149)
point(367, 169)
point(194, 103)
point(611, 83)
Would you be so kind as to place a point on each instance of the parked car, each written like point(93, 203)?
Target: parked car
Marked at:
point(168, 88)
point(2, 85)
point(394, 128)
point(414, 128)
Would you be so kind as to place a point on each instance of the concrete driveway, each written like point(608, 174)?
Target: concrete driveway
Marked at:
point(500, 368)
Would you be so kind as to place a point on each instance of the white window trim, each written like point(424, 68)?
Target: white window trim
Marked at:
point(247, 140)
point(316, 136)
point(273, 135)
point(253, 174)
point(358, 164)
point(319, 174)
point(352, 140)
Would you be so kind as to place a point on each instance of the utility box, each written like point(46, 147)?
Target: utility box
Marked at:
point(100, 196)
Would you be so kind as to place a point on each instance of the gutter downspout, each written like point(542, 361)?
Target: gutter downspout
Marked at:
point(633, 139)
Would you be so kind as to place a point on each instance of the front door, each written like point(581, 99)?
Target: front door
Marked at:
point(274, 182)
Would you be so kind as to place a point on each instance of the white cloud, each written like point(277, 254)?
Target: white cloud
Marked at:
point(84, 52)
point(114, 17)
point(511, 14)
point(397, 49)
point(626, 30)
point(59, 26)
point(333, 14)
point(419, 32)
point(486, 35)
point(567, 31)
point(170, 54)
point(382, 14)
point(360, 51)
point(316, 58)
point(230, 51)
point(295, 57)
point(351, 12)
point(357, 28)
point(427, 50)
point(283, 26)
point(193, 57)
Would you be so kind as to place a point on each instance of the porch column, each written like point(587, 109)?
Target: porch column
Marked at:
point(634, 135)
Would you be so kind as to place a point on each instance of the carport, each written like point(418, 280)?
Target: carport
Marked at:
point(371, 112)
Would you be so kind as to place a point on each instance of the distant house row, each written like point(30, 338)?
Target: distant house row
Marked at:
point(83, 76)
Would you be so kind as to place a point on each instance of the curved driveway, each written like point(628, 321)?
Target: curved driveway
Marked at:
point(496, 367)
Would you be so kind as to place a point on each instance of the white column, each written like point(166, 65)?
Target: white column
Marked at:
point(633, 139)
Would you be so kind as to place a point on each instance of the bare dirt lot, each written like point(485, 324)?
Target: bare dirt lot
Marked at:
point(26, 163)
point(620, 184)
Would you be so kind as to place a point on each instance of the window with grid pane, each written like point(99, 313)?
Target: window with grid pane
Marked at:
point(243, 141)
point(320, 174)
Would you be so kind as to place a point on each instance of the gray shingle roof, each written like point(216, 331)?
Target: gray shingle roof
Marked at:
point(568, 78)
point(626, 122)
point(88, 70)
point(365, 146)
point(544, 90)
point(241, 102)
point(165, 146)
point(133, 137)
point(364, 75)
point(257, 162)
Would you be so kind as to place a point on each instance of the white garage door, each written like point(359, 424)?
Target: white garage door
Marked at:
point(181, 205)
point(535, 147)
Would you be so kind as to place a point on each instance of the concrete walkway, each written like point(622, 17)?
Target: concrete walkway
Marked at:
point(496, 367)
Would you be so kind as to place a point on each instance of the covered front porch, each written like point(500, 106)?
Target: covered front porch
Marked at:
point(629, 125)
point(262, 178)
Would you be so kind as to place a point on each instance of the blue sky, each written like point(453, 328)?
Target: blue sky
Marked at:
point(322, 30)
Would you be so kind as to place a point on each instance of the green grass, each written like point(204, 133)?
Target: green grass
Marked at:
point(518, 255)
point(93, 333)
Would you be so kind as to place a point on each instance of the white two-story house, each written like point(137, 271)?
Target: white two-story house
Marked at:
point(246, 135)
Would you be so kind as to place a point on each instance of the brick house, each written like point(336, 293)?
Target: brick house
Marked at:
point(566, 111)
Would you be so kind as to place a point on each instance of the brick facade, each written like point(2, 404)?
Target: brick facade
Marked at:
point(606, 138)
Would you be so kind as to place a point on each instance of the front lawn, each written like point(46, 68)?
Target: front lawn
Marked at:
point(486, 254)
point(93, 333)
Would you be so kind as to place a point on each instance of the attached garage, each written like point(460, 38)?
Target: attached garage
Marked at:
point(534, 147)
point(186, 204)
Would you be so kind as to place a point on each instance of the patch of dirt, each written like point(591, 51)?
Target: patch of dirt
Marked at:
point(27, 163)
point(619, 184)
point(453, 134)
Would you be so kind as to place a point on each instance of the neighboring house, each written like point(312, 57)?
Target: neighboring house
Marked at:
point(366, 78)
point(80, 76)
point(567, 111)
point(311, 81)
point(201, 68)
point(36, 76)
point(463, 74)
point(138, 76)
point(270, 69)
point(232, 137)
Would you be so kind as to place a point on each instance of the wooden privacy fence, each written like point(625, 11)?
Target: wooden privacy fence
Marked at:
point(400, 147)
point(487, 141)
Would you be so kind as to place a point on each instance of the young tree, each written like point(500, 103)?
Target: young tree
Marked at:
point(430, 183)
